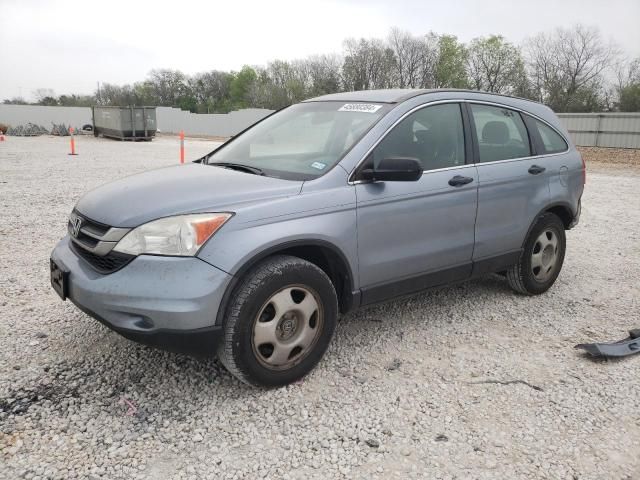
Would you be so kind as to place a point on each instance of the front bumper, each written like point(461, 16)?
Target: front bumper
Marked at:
point(169, 302)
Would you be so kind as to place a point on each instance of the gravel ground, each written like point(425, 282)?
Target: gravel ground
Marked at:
point(408, 389)
point(616, 157)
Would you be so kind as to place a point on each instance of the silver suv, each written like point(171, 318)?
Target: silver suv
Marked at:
point(331, 204)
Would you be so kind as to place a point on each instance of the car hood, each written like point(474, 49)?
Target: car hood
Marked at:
point(181, 189)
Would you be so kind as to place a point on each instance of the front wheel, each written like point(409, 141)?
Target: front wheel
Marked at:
point(280, 322)
point(542, 257)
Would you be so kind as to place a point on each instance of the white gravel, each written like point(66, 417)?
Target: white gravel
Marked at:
point(400, 393)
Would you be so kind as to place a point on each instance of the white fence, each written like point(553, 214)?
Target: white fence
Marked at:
point(621, 130)
point(169, 120)
point(172, 120)
point(15, 115)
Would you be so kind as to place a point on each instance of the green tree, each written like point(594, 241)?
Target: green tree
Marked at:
point(495, 65)
point(450, 68)
point(188, 102)
point(628, 87)
point(240, 86)
point(630, 98)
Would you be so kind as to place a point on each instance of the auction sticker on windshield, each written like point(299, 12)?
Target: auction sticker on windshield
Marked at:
point(360, 107)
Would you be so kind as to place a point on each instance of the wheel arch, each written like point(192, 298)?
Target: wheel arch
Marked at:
point(325, 255)
point(562, 210)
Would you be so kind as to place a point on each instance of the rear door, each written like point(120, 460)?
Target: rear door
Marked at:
point(513, 184)
point(413, 235)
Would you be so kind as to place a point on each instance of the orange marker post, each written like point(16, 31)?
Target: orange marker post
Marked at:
point(73, 142)
point(181, 146)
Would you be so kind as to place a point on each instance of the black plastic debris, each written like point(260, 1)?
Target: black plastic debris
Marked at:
point(621, 348)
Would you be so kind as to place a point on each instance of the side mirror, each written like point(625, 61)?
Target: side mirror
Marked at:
point(394, 169)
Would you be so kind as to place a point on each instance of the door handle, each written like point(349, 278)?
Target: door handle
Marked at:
point(536, 169)
point(459, 180)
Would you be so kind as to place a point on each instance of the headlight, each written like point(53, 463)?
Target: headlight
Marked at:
point(181, 235)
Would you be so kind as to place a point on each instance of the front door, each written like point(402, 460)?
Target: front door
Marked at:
point(413, 235)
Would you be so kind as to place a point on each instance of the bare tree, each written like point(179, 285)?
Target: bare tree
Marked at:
point(15, 101)
point(45, 96)
point(367, 64)
point(166, 86)
point(567, 67)
point(409, 52)
point(324, 74)
point(627, 72)
point(210, 89)
point(430, 54)
point(117, 95)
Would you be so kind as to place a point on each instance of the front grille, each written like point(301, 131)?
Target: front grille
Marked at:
point(87, 240)
point(108, 263)
point(92, 226)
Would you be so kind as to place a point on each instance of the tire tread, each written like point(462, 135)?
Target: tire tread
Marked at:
point(515, 274)
point(241, 295)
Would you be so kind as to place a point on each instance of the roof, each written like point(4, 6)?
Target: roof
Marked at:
point(392, 95)
point(396, 95)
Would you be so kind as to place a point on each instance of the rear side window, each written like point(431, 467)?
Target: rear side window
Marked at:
point(501, 133)
point(552, 142)
point(432, 135)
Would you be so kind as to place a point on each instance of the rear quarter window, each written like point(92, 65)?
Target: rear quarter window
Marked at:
point(551, 140)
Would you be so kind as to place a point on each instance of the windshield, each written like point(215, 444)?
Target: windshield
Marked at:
point(303, 141)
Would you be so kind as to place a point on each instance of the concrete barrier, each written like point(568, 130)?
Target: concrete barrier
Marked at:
point(172, 120)
point(169, 120)
point(15, 115)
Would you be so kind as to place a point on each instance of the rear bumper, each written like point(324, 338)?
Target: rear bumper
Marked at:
point(168, 302)
point(576, 218)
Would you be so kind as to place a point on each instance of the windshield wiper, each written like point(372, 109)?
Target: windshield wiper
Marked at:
point(238, 166)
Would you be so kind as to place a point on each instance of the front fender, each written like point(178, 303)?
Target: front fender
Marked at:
point(231, 249)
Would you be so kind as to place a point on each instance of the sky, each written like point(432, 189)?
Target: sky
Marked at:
point(70, 46)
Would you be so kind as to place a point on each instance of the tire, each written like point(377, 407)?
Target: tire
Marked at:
point(279, 323)
point(541, 259)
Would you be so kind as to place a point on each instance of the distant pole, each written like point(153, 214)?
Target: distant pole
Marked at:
point(181, 146)
point(73, 142)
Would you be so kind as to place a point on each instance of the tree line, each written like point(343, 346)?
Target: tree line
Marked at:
point(570, 70)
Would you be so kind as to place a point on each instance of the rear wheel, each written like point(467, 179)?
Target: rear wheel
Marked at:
point(280, 322)
point(542, 257)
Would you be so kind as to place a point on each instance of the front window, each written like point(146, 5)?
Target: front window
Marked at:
point(303, 141)
point(432, 135)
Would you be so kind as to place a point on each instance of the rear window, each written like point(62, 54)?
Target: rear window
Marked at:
point(551, 140)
